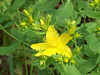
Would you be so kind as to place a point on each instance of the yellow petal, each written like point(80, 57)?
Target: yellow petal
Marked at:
point(40, 46)
point(64, 50)
point(72, 30)
point(50, 51)
point(51, 36)
point(68, 52)
point(64, 38)
point(38, 54)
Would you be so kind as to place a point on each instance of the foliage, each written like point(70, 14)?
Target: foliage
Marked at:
point(50, 37)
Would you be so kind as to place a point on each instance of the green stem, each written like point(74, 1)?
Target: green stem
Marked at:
point(18, 15)
point(84, 23)
point(11, 64)
point(31, 66)
point(75, 3)
point(75, 43)
point(4, 39)
point(15, 37)
point(62, 1)
point(25, 60)
point(51, 71)
point(2, 5)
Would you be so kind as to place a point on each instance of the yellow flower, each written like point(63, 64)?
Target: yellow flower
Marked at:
point(54, 44)
point(30, 19)
point(72, 30)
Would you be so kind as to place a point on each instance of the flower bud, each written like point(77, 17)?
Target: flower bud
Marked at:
point(68, 22)
point(77, 35)
point(41, 62)
point(78, 50)
point(66, 60)
point(92, 5)
point(42, 22)
point(30, 19)
point(48, 18)
point(98, 29)
point(72, 61)
point(23, 24)
point(72, 30)
point(26, 12)
point(73, 22)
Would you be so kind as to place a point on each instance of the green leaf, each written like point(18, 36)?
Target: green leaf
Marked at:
point(93, 43)
point(9, 24)
point(1, 27)
point(3, 18)
point(33, 37)
point(48, 62)
point(15, 32)
point(93, 14)
point(64, 12)
point(88, 51)
point(91, 63)
point(91, 26)
point(90, 40)
point(67, 70)
point(11, 64)
point(17, 4)
point(9, 49)
point(36, 14)
point(48, 5)
point(83, 30)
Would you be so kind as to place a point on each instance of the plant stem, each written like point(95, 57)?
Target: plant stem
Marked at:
point(25, 60)
point(11, 64)
point(75, 43)
point(15, 37)
point(31, 66)
point(75, 3)
point(51, 71)
point(18, 15)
